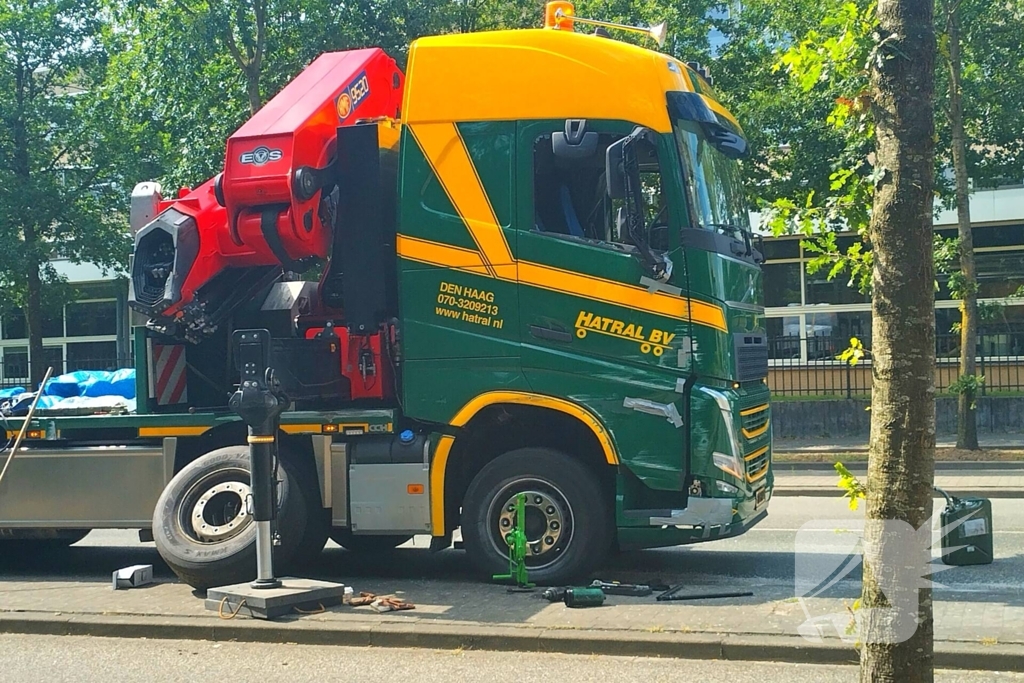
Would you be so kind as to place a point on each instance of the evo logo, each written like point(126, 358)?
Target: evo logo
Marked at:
point(261, 155)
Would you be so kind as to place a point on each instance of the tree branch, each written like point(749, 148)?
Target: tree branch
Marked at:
point(260, 7)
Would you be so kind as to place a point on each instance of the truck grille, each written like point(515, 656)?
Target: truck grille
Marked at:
point(757, 464)
point(751, 352)
point(754, 421)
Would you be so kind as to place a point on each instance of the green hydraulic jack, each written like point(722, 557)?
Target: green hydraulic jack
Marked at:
point(516, 541)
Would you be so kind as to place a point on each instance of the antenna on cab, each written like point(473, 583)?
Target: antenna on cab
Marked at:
point(561, 15)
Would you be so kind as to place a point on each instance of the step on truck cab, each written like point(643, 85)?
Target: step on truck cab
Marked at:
point(539, 277)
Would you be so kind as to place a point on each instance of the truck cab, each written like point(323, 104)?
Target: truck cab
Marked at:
point(575, 258)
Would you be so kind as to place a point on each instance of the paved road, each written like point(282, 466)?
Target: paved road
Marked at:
point(763, 557)
point(60, 659)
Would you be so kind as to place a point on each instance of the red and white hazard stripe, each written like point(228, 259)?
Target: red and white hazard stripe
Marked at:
point(169, 370)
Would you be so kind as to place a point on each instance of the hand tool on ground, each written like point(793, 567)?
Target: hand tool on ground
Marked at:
point(634, 590)
point(673, 594)
point(587, 596)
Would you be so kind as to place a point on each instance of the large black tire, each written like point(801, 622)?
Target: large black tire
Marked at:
point(318, 519)
point(366, 544)
point(230, 558)
point(568, 519)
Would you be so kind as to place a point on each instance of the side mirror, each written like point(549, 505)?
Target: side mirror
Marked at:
point(574, 142)
point(615, 162)
point(614, 170)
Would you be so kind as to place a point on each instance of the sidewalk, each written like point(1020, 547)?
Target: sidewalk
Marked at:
point(986, 483)
point(972, 631)
point(846, 444)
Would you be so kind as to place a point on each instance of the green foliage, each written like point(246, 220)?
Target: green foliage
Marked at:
point(969, 385)
point(856, 261)
point(854, 353)
point(58, 196)
point(854, 490)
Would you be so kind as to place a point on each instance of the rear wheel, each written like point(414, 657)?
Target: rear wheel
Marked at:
point(318, 519)
point(202, 527)
point(568, 521)
point(366, 544)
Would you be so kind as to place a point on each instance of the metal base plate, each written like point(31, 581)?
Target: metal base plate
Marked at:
point(294, 594)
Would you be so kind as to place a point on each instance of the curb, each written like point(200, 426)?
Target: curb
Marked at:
point(834, 491)
point(793, 649)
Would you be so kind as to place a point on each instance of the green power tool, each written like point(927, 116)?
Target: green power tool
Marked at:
point(516, 541)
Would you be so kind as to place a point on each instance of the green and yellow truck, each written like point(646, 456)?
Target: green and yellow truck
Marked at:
point(540, 278)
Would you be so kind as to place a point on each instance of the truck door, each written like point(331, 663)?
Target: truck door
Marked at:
point(457, 273)
point(589, 329)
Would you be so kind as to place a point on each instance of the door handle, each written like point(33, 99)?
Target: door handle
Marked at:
point(549, 334)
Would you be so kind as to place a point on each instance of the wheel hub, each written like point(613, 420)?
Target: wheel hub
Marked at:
point(221, 512)
point(545, 522)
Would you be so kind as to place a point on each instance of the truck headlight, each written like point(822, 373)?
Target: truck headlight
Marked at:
point(727, 463)
point(730, 428)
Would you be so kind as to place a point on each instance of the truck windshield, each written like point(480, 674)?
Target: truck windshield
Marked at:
point(716, 186)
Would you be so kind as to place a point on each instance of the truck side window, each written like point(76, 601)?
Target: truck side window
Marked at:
point(570, 196)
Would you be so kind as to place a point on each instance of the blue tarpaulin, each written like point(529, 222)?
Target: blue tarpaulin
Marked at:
point(93, 383)
point(11, 393)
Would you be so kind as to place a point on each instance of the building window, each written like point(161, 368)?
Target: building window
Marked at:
point(821, 290)
point(776, 249)
point(781, 284)
point(92, 318)
point(1000, 273)
point(16, 327)
point(92, 356)
point(15, 363)
point(53, 356)
point(783, 343)
point(998, 236)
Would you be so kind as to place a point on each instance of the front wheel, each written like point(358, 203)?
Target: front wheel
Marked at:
point(568, 520)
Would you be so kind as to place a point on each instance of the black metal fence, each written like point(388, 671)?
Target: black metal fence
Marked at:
point(16, 372)
point(810, 366)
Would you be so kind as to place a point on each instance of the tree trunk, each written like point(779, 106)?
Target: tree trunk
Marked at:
point(252, 89)
point(34, 322)
point(902, 448)
point(966, 424)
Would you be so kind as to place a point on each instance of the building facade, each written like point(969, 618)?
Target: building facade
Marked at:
point(811, 319)
point(92, 333)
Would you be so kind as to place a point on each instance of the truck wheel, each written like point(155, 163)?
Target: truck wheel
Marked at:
point(366, 544)
point(202, 529)
point(568, 520)
point(318, 519)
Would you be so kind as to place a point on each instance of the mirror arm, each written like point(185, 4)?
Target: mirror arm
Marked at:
point(658, 266)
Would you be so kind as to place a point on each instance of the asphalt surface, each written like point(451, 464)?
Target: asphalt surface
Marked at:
point(60, 659)
point(764, 558)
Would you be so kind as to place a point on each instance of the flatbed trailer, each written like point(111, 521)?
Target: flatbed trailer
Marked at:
point(107, 471)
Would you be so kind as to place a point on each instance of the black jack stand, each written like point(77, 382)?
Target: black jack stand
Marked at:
point(259, 402)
